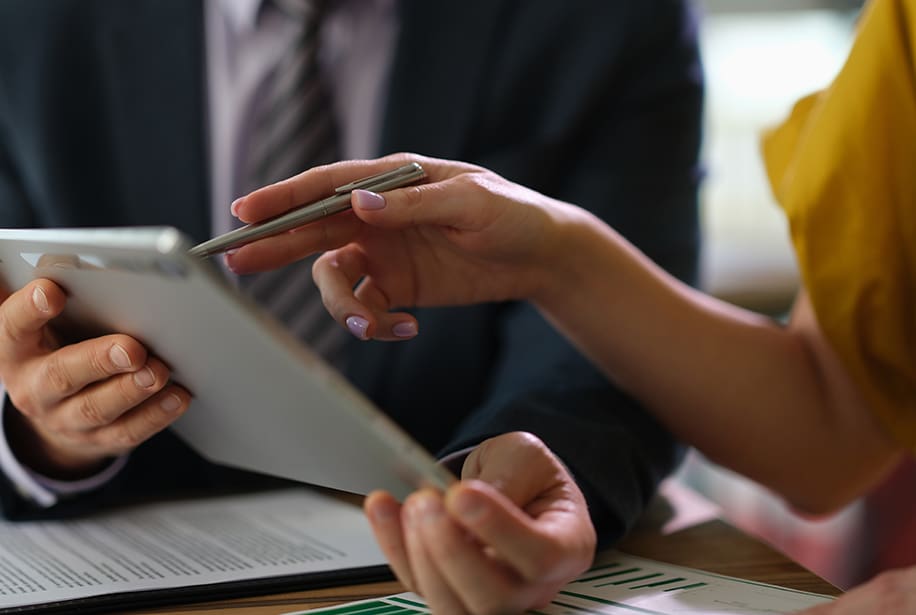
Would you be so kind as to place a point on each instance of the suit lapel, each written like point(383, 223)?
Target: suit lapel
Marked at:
point(156, 90)
point(440, 61)
point(438, 70)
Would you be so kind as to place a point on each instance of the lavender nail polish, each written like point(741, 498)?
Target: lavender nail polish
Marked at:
point(364, 199)
point(404, 329)
point(358, 326)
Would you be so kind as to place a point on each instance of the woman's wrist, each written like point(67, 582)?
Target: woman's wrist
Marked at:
point(568, 249)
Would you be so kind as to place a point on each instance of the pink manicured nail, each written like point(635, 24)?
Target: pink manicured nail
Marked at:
point(364, 199)
point(405, 329)
point(40, 299)
point(358, 326)
point(234, 208)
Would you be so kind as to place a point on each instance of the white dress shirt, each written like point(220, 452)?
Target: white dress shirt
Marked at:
point(355, 54)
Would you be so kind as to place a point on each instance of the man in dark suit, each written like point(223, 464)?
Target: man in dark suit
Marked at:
point(103, 119)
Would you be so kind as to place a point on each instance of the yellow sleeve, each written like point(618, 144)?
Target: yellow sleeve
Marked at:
point(843, 166)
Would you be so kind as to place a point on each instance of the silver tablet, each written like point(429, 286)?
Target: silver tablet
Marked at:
point(262, 401)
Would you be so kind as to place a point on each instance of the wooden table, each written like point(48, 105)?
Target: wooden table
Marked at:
point(669, 532)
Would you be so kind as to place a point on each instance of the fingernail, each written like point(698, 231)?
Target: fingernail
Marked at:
point(429, 509)
point(468, 507)
point(358, 326)
point(234, 208)
point(170, 403)
point(40, 299)
point(364, 199)
point(119, 357)
point(405, 329)
point(145, 378)
point(382, 514)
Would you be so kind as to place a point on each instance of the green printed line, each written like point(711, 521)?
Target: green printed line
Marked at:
point(610, 574)
point(359, 607)
point(603, 567)
point(631, 580)
point(575, 607)
point(603, 601)
point(384, 610)
point(766, 585)
point(657, 583)
point(674, 589)
point(418, 605)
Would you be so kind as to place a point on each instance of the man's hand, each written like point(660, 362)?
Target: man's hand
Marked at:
point(504, 539)
point(76, 405)
point(890, 593)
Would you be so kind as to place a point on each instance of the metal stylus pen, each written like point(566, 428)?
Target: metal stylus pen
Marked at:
point(310, 212)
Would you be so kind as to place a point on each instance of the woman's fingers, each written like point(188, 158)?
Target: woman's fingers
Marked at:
point(420, 509)
point(384, 513)
point(537, 548)
point(454, 203)
point(364, 312)
point(319, 182)
point(485, 584)
point(285, 248)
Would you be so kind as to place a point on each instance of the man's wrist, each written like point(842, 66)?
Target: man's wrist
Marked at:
point(34, 486)
point(33, 451)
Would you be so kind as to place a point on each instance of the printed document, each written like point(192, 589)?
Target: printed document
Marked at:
point(164, 546)
point(627, 585)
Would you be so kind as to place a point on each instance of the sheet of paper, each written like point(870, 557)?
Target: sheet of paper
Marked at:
point(182, 543)
point(624, 584)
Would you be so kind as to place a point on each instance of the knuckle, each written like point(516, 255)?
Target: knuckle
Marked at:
point(90, 412)
point(29, 401)
point(7, 328)
point(127, 438)
point(413, 197)
point(99, 361)
point(321, 263)
point(56, 377)
point(26, 402)
point(471, 181)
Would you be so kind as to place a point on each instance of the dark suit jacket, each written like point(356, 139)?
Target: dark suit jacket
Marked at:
point(594, 102)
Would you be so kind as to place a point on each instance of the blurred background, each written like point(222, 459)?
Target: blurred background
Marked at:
point(760, 57)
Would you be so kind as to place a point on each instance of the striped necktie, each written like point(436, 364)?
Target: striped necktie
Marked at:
point(294, 129)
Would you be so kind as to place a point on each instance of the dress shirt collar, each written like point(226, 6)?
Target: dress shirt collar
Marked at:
point(241, 15)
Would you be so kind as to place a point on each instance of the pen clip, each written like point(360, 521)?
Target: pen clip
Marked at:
point(369, 182)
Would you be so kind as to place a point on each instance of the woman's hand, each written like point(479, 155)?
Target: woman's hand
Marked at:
point(466, 236)
point(501, 540)
point(891, 593)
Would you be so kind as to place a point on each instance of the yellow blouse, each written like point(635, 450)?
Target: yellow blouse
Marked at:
point(843, 166)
